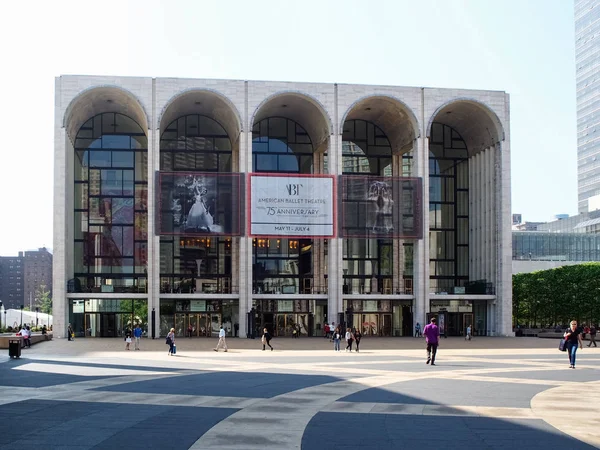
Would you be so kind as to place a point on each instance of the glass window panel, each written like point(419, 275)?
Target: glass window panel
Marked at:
point(108, 123)
point(81, 165)
point(207, 161)
point(112, 182)
point(141, 197)
point(225, 163)
point(166, 163)
point(222, 144)
point(78, 263)
point(116, 141)
point(141, 257)
point(141, 165)
point(277, 127)
point(125, 125)
point(141, 226)
point(288, 163)
point(122, 211)
point(192, 128)
point(210, 127)
point(81, 196)
point(99, 158)
point(266, 163)
point(122, 159)
point(128, 184)
point(128, 245)
point(183, 161)
point(81, 224)
point(139, 142)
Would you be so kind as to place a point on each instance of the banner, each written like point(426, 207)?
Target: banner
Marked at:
point(381, 207)
point(199, 204)
point(292, 205)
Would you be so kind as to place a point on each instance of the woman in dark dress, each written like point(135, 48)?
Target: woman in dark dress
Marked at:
point(574, 341)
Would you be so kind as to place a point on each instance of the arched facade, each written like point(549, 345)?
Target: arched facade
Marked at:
point(151, 263)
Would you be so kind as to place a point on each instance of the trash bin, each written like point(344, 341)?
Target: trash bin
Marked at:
point(14, 348)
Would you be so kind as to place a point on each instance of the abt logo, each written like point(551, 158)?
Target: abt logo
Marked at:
point(293, 189)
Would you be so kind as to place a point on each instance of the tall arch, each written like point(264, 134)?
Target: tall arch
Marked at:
point(302, 108)
point(101, 99)
point(476, 122)
point(203, 102)
point(390, 114)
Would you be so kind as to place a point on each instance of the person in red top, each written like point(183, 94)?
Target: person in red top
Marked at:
point(432, 338)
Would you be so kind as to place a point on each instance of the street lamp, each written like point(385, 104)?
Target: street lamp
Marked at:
point(0, 315)
point(37, 310)
point(22, 306)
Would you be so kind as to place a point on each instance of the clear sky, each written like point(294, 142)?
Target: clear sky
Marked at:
point(523, 47)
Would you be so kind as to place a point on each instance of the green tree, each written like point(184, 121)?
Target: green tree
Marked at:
point(43, 300)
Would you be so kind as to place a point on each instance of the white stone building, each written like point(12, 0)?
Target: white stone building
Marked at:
point(122, 255)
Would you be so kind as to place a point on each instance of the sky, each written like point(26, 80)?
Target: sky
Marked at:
point(523, 47)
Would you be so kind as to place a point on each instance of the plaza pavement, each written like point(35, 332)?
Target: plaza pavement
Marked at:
point(488, 393)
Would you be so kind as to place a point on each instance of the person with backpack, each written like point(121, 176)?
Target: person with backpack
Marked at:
point(266, 339)
point(171, 342)
point(336, 340)
point(349, 340)
point(592, 336)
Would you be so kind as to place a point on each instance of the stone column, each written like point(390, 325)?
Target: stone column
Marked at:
point(245, 243)
point(59, 269)
point(421, 246)
point(334, 249)
point(153, 237)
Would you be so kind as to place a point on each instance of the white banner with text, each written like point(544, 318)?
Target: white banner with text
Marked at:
point(292, 205)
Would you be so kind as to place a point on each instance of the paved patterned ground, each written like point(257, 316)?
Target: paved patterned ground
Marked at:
point(485, 394)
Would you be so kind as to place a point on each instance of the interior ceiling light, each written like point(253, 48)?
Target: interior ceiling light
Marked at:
point(367, 109)
point(284, 106)
point(198, 103)
point(108, 100)
point(448, 112)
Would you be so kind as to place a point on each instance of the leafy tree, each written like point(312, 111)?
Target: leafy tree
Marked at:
point(44, 300)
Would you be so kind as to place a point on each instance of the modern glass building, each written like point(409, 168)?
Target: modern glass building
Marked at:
point(587, 58)
point(160, 185)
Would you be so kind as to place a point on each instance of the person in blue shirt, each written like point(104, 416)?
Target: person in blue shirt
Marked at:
point(137, 334)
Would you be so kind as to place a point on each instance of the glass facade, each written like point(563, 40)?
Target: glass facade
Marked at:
point(281, 266)
point(542, 246)
point(587, 59)
point(448, 210)
point(368, 264)
point(111, 219)
point(195, 264)
point(109, 317)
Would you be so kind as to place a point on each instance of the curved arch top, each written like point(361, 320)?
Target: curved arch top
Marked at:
point(475, 121)
point(206, 102)
point(389, 113)
point(298, 106)
point(101, 99)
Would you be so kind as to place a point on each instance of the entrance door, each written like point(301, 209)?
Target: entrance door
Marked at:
point(108, 326)
point(370, 324)
point(215, 321)
point(386, 325)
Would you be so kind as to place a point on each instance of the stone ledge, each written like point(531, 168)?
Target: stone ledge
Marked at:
point(35, 338)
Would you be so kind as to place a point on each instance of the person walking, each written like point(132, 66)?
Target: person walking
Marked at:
point(69, 333)
point(332, 329)
point(137, 334)
point(221, 342)
point(190, 330)
point(592, 336)
point(26, 333)
point(171, 342)
point(336, 340)
point(349, 340)
point(357, 338)
point(326, 330)
point(573, 337)
point(468, 335)
point(432, 338)
point(266, 339)
point(417, 330)
point(127, 339)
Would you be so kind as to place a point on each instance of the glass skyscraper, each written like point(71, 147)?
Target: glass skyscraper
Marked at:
point(587, 50)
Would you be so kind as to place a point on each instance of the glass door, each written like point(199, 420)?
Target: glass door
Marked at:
point(215, 320)
point(370, 325)
point(109, 326)
point(386, 326)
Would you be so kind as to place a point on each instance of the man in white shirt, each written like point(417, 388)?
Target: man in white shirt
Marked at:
point(221, 342)
point(468, 335)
